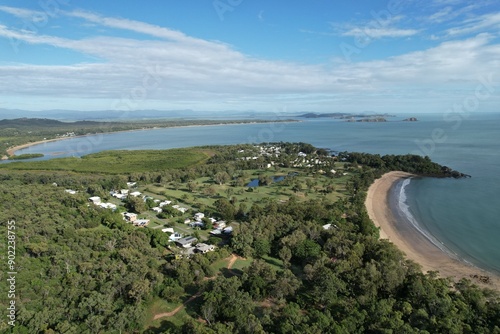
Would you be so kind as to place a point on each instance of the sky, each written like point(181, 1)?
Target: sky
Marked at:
point(396, 56)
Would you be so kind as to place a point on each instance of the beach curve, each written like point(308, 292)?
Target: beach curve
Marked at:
point(412, 243)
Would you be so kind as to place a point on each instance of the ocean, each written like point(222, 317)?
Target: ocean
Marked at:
point(461, 216)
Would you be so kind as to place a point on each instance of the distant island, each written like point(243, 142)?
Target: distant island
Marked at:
point(341, 115)
point(352, 118)
point(368, 120)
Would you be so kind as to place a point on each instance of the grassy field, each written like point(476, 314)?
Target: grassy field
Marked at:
point(280, 191)
point(119, 162)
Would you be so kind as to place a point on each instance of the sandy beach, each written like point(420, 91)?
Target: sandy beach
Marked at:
point(12, 151)
point(414, 244)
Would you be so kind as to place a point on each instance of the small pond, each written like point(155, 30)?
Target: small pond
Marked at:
point(255, 182)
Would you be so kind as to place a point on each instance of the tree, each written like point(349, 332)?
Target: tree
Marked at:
point(265, 180)
point(285, 255)
point(138, 290)
point(135, 204)
point(307, 249)
point(192, 186)
point(262, 247)
point(210, 191)
point(222, 177)
point(286, 284)
point(225, 209)
point(296, 187)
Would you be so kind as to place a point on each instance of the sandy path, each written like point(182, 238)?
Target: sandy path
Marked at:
point(232, 260)
point(411, 242)
point(230, 264)
point(178, 308)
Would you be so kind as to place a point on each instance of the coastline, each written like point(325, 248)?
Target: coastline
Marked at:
point(411, 242)
point(12, 150)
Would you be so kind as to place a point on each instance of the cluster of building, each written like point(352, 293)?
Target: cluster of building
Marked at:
point(300, 161)
point(66, 135)
point(124, 193)
point(189, 245)
point(220, 228)
point(96, 200)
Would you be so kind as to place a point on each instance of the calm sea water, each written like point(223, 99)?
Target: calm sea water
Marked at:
point(463, 215)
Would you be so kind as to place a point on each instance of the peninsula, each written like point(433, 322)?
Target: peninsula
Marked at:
point(208, 239)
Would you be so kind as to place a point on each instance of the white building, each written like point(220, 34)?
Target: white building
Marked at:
point(199, 216)
point(95, 199)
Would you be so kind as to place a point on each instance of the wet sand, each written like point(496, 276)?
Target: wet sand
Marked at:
point(409, 240)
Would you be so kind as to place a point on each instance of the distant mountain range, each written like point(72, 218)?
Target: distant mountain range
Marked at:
point(41, 122)
point(118, 115)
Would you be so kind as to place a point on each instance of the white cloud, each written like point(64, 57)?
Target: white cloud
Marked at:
point(21, 12)
point(484, 22)
point(445, 14)
point(376, 28)
point(180, 70)
point(380, 32)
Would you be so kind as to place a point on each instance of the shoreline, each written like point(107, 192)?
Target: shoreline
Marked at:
point(411, 242)
point(12, 150)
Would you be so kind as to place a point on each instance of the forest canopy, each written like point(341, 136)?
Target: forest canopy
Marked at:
point(84, 269)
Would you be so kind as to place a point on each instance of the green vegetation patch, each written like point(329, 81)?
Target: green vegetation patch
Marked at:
point(118, 162)
point(26, 156)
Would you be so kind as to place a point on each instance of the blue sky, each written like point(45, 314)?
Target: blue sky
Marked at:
point(327, 56)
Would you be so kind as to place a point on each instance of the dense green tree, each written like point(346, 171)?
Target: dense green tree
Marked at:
point(135, 204)
point(225, 208)
point(222, 177)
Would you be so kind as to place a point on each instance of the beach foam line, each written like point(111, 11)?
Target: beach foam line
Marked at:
point(404, 209)
point(414, 244)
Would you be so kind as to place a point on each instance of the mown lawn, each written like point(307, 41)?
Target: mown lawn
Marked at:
point(279, 191)
point(119, 162)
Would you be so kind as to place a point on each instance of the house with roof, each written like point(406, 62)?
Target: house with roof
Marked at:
point(162, 204)
point(70, 191)
point(120, 196)
point(168, 230)
point(220, 224)
point(95, 199)
point(204, 248)
point(135, 194)
point(176, 236)
point(141, 222)
point(199, 216)
point(157, 209)
point(195, 224)
point(110, 206)
point(130, 217)
point(186, 242)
